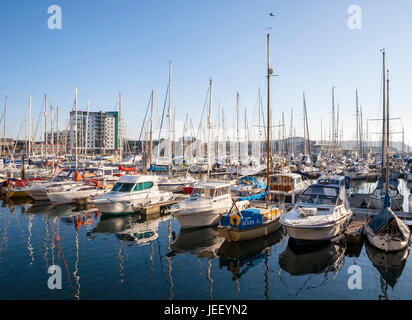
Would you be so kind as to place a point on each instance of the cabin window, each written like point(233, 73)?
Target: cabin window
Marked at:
point(274, 180)
point(148, 185)
point(123, 187)
point(143, 186)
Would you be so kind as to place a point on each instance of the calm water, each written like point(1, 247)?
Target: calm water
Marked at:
point(128, 258)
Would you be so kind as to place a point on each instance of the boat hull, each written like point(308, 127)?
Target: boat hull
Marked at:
point(310, 233)
point(383, 244)
point(234, 235)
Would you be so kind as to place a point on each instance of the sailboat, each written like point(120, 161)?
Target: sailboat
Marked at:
point(386, 231)
point(254, 222)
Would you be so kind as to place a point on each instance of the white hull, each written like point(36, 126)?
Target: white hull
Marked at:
point(385, 243)
point(312, 233)
point(130, 203)
point(202, 217)
point(71, 197)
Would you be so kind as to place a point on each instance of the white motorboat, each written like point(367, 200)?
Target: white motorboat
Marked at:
point(75, 193)
point(206, 205)
point(321, 213)
point(131, 192)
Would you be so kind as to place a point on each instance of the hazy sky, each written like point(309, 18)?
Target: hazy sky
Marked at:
point(106, 47)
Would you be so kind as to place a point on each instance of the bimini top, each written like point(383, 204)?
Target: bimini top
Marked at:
point(137, 178)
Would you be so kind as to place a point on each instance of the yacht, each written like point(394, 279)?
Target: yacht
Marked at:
point(206, 205)
point(387, 232)
point(321, 213)
point(131, 192)
point(78, 192)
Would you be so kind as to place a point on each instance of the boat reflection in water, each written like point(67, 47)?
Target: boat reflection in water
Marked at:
point(240, 256)
point(132, 228)
point(203, 242)
point(322, 258)
point(390, 266)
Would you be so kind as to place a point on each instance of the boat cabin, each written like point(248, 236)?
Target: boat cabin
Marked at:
point(285, 182)
point(133, 183)
point(210, 190)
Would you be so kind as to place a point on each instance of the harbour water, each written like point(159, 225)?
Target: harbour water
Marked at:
point(126, 257)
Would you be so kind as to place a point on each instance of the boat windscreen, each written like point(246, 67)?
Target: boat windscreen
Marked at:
point(317, 190)
point(123, 187)
point(319, 195)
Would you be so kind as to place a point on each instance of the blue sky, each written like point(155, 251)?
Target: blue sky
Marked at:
point(107, 47)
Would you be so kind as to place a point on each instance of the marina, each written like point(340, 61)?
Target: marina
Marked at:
point(135, 257)
point(192, 152)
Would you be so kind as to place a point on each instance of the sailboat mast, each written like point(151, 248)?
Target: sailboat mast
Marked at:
point(209, 125)
point(269, 71)
point(383, 110)
point(120, 128)
point(387, 133)
point(45, 123)
point(29, 128)
point(151, 130)
point(57, 130)
point(75, 124)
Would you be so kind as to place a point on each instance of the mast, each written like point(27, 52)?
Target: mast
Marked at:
point(4, 125)
point(169, 112)
point(45, 123)
point(209, 127)
point(87, 128)
point(29, 128)
point(120, 127)
point(333, 120)
point(357, 123)
point(75, 124)
point(237, 127)
point(387, 134)
point(151, 131)
point(291, 133)
point(269, 72)
point(383, 110)
point(57, 130)
point(51, 128)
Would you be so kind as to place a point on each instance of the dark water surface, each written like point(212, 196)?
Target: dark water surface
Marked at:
point(128, 258)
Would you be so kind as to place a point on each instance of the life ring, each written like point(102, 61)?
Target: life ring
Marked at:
point(234, 218)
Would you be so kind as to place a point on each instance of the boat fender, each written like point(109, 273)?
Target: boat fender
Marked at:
point(235, 220)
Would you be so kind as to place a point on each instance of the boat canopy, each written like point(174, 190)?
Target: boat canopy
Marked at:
point(381, 221)
point(252, 180)
point(259, 196)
